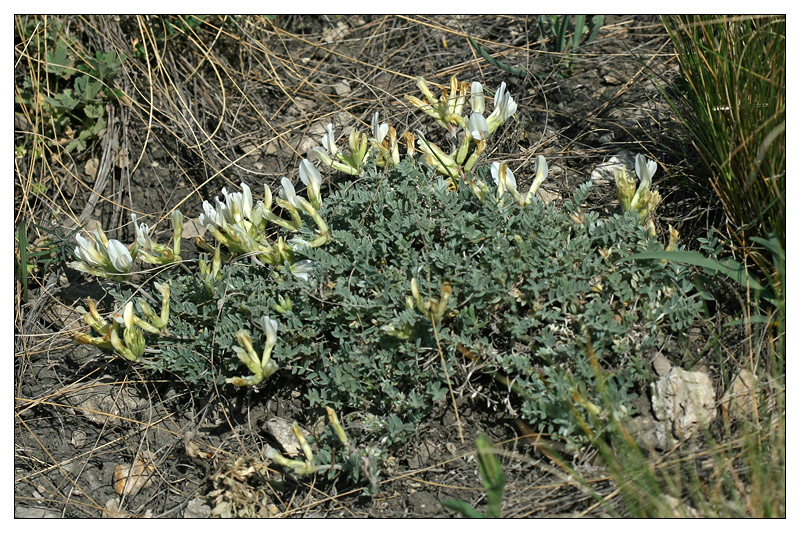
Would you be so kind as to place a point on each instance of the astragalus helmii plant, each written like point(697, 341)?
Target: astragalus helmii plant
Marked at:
point(370, 296)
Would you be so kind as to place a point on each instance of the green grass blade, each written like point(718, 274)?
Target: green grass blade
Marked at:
point(465, 509)
point(773, 246)
point(734, 104)
point(755, 319)
point(594, 26)
point(561, 35)
point(492, 473)
point(580, 24)
point(729, 267)
point(499, 64)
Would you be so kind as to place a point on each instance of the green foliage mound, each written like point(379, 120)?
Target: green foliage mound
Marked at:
point(532, 288)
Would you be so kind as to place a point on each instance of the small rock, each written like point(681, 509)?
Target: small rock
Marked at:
point(79, 438)
point(192, 228)
point(424, 451)
point(304, 104)
point(90, 169)
point(317, 130)
point(547, 196)
point(35, 512)
point(606, 138)
point(341, 88)
point(661, 365)
point(650, 433)
point(306, 144)
point(197, 508)
point(342, 119)
point(251, 148)
point(336, 33)
point(130, 479)
point(684, 399)
point(741, 399)
point(679, 510)
point(281, 430)
point(272, 147)
point(641, 404)
point(112, 509)
point(605, 171)
point(383, 81)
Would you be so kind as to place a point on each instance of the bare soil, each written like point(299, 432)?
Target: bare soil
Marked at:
point(238, 99)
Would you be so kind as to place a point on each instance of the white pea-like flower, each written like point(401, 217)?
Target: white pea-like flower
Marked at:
point(127, 315)
point(142, 233)
point(309, 174)
point(540, 174)
point(210, 217)
point(101, 256)
point(645, 170)
point(119, 255)
point(238, 205)
point(379, 131)
point(476, 99)
point(311, 178)
point(504, 107)
point(245, 201)
point(88, 251)
point(303, 269)
point(504, 102)
point(329, 140)
point(113, 256)
point(288, 193)
point(297, 243)
point(270, 328)
point(504, 179)
point(478, 127)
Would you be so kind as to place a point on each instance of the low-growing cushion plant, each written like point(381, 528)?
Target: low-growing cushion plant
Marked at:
point(531, 286)
point(371, 299)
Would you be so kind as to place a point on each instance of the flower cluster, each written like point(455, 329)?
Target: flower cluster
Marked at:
point(431, 308)
point(447, 110)
point(241, 226)
point(152, 252)
point(109, 258)
point(234, 222)
point(506, 183)
point(261, 367)
point(383, 139)
point(639, 199)
point(131, 343)
point(101, 256)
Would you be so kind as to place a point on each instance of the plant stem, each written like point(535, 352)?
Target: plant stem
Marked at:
point(447, 377)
